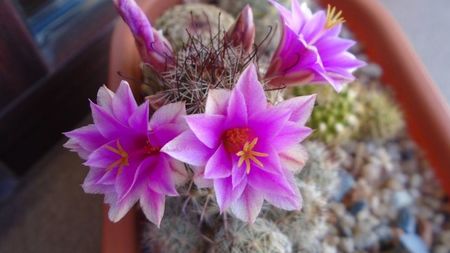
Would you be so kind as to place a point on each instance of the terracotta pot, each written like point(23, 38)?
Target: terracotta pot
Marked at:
point(427, 113)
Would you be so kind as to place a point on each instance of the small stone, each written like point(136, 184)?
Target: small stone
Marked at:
point(347, 245)
point(426, 231)
point(401, 199)
point(357, 207)
point(412, 243)
point(406, 220)
point(346, 183)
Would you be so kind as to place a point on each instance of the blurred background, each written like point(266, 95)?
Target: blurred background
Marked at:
point(53, 57)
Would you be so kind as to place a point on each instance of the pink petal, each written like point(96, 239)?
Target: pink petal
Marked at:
point(160, 179)
point(123, 103)
point(187, 148)
point(87, 137)
point(268, 123)
point(289, 203)
point(168, 114)
point(217, 101)
point(238, 174)
point(248, 205)
point(102, 157)
point(118, 209)
point(152, 204)
point(129, 178)
point(106, 124)
point(252, 90)
point(207, 128)
point(162, 134)
point(139, 119)
point(237, 114)
point(294, 158)
point(226, 194)
point(104, 98)
point(289, 135)
point(300, 107)
point(265, 182)
point(219, 165)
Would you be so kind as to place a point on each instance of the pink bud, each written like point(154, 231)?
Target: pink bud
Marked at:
point(242, 33)
point(152, 45)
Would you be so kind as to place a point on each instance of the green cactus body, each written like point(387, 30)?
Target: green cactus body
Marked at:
point(200, 20)
point(335, 116)
point(262, 236)
point(381, 119)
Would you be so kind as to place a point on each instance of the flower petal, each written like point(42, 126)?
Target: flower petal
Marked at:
point(294, 158)
point(248, 205)
point(152, 204)
point(217, 101)
point(237, 114)
point(106, 124)
point(266, 182)
point(160, 178)
point(226, 194)
point(138, 120)
point(219, 165)
point(187, 148)
point(300, 107)
point(123, 103)
point(207, 128)
point(252, 90)
point(168, 114)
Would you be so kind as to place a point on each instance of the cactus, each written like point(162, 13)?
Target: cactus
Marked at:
point(381, 119)
point(319, 170)
point(335, 117)
point(177, 234)
point(263, 236)
point(199, 20)
point(305, 228)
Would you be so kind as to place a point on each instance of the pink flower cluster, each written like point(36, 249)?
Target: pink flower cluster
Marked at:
point(243, 147)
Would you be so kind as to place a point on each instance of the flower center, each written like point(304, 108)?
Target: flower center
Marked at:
point(149, 149)
point(240, 141)
point(334, 17)
point(234, 139)
point(122, 161)
point(247, 154)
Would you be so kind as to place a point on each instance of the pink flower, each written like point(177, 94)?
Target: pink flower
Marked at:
point(122, 150)
point(152, 45)
point(248, 148)
point(310, 50)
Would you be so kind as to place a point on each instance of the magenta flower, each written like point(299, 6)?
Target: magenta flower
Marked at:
point(310, 50)
point(122, 150)
point(247, 147)
point(152, 45)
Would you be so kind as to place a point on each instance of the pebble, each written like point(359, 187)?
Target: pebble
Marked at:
point(412, 243)
point(346, 183)
point(401, 199)
point(407, 220)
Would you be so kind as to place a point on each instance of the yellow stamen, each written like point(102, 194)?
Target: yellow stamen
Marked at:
point(122, 161)
point(333, 17)
point(247, 154)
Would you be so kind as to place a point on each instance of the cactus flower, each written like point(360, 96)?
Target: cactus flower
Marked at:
point(152, 45)
point(310, 49)
point(123, 151)
point(242, 33)
point(248, 147)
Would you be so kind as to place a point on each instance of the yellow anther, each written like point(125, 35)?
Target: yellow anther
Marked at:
point(247, 154)
point(122, 161)
point(333, 17)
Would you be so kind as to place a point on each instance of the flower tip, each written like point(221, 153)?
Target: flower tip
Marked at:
point(242, 33)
